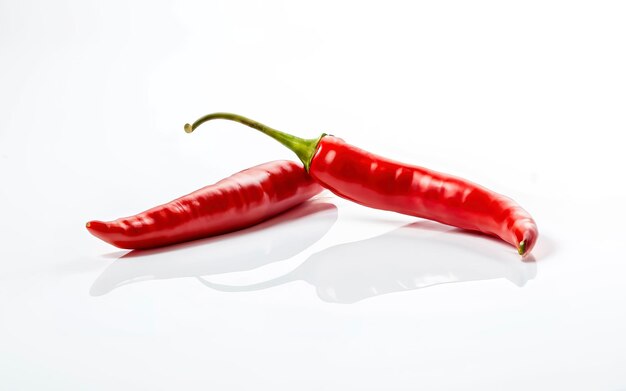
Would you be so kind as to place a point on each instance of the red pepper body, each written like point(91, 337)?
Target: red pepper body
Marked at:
point(382, 183)
point(239, 201)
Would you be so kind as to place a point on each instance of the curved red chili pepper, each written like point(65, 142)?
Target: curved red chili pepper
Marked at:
point(381, 183)
point(239, 201)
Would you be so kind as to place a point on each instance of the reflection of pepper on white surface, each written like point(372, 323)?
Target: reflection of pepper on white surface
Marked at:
point(274, 240)
point(414, 256)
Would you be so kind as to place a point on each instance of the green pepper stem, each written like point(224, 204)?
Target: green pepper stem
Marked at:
point(303, 148)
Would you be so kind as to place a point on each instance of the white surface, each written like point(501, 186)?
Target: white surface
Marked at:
point(525, 98)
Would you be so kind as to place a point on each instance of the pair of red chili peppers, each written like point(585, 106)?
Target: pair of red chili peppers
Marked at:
point(261, 192)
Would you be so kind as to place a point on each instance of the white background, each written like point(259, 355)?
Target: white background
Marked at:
point(527, 98)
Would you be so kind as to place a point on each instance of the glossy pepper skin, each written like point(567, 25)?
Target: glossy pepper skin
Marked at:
point(239, 201)
point(382, 183)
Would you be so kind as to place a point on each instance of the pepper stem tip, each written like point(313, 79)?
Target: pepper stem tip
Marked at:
point(303, 148)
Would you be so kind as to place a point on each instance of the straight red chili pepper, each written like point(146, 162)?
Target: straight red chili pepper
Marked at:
point(241, 200)
point(381, 183)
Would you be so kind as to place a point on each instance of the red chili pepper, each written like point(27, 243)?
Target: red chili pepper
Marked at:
point(381, 183)
point(239, 201)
